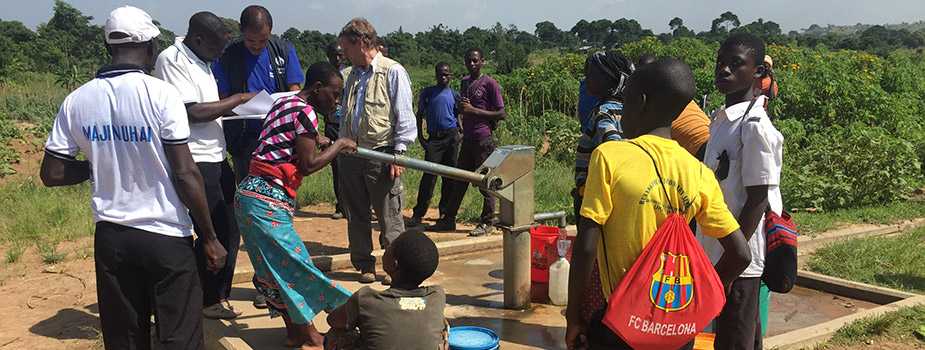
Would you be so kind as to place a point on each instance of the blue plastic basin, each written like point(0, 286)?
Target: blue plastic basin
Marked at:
point(473, 338)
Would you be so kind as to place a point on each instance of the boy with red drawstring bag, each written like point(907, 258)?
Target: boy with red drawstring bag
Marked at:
point(669, 295)
point(671, 292)
point(638, 198)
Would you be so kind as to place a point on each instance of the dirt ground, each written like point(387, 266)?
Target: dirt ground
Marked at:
point(54, 307)
point(324, 236)
point(30, 159)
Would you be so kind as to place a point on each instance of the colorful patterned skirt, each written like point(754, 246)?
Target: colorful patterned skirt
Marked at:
point(283, 270)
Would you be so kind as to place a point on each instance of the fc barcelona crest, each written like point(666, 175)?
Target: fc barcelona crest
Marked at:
point(672, 286)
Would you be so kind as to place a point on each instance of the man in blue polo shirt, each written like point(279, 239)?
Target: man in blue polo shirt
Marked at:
point(438, 104)
point(256, 62)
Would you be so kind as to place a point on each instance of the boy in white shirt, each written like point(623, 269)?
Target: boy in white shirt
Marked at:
point(745, 152)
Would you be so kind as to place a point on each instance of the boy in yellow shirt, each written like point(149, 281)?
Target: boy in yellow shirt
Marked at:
point(623, 204)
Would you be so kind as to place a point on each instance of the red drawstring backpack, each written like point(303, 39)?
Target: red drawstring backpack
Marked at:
point(670, 293)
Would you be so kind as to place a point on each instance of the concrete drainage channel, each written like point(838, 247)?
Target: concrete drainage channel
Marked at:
point(225, 334)
point(888, 299)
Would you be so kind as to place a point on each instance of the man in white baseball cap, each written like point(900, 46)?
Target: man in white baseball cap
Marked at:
point(133, 131)
point(130, 25)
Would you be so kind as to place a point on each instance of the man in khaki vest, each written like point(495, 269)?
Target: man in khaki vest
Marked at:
point(377, 115)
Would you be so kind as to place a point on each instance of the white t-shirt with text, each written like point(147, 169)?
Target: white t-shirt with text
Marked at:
point(121, 121)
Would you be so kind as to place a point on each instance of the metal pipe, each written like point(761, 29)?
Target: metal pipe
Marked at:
point(559, 215)
point(517, 260)
point(517, 208)
point(417, 164)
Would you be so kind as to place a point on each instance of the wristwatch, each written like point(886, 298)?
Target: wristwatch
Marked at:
point(398, 153)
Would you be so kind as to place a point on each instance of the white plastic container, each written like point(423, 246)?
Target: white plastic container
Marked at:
point(558, 275)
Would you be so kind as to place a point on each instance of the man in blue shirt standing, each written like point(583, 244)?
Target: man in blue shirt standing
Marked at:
point(255, 62)
point(438, 104)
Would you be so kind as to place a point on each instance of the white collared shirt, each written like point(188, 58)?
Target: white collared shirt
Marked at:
point(400, 96)
point(754, 151)
point(193, 78)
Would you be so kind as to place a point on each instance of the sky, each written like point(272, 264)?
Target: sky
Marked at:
point(419, 15)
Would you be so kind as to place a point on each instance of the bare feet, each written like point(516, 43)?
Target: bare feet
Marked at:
point(315, 339)
point(294, 335)
point(305, 337)
point(311, 347)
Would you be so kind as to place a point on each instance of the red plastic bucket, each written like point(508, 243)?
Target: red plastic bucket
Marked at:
point(543, 251)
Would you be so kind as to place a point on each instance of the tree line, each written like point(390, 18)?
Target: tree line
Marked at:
point(69, 44)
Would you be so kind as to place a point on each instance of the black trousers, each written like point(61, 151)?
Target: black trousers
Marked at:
point(241, 137)
point(217, 286)
point(738, 327)
point(576, 204)
point(332, 131)
point(139, 273)
point(471, 155)
point(442, 148)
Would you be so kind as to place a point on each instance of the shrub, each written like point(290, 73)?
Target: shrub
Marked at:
point(49, 252)
point(32, 98)
point(14, 253)
point(833, 88)
point(549, 86)
point(846, 166)
point(698, 54)
point(562, 134)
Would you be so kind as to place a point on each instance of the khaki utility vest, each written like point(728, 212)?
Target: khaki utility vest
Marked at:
point(375, 123)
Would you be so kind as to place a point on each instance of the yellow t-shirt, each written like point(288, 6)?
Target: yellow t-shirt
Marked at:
point(624, 195)
point(692, 128)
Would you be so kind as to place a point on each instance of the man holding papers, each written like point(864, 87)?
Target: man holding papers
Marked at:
point(186, 66)
point(255, 62)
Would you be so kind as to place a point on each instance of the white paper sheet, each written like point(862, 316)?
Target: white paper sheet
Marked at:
point(258, 106)
point(277, 95)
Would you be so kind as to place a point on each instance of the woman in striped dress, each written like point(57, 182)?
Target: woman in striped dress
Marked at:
point(266, 199)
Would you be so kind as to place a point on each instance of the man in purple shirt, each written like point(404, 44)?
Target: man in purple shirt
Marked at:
point(482, 107)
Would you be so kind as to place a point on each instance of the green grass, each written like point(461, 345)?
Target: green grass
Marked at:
point(895, 262)
point(44, 217)
point(48, 250)
point(33, 97)
point(35, 215)
point(898, 325)
point(84, 252)
point(14, 253)
point(814, 223)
